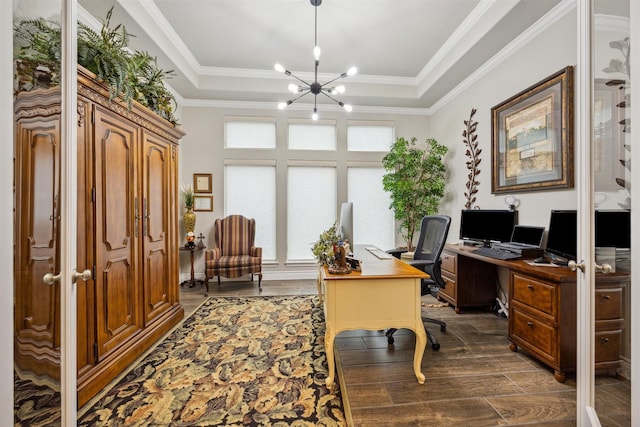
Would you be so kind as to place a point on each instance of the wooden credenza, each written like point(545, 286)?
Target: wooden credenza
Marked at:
point(127, 233)
point(542, 307)
point(478, 279)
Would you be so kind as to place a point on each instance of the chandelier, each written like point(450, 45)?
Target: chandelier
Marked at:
point(315, 88)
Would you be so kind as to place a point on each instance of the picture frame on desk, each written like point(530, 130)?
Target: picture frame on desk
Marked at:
point(532, 137)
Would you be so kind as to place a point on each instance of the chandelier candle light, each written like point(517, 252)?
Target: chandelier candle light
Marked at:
point(315, 88)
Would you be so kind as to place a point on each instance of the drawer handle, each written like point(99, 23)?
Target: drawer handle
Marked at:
point(605, 297)
point(530, 287)
point(530, 324)
point(604, 339)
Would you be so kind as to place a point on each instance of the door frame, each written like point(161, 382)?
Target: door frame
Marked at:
point(634, 24)
point(585, 410)
point(68, 223)
point(6, 218)
point(585, 327)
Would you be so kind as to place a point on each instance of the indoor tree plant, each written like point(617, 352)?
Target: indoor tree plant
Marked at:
point(415, 181)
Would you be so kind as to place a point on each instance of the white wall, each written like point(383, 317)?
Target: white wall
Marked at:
point(550, 51)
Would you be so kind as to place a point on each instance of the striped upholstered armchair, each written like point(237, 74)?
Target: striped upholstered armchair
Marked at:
point(234, 254)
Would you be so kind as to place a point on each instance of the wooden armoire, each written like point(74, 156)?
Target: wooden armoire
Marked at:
point(127, 232)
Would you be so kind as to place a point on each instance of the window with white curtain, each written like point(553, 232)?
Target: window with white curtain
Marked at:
point(370, 136)
point(250, 190)
point(248, 132)
point(373, 222)
point(320, 135)
point(311, 207)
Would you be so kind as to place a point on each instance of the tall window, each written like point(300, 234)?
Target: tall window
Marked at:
point(311, 207)
point(373, 221)
point(300, 182)
point(251, 191)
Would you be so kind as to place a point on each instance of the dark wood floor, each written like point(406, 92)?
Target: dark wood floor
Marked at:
point(473, 380)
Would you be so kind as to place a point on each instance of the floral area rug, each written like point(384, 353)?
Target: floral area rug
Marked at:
point(252, 361)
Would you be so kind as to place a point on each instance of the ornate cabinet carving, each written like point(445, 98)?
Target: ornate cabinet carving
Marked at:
point(127, 233)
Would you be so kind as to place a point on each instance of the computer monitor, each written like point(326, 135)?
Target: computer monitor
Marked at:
point(562, 239)
point(486, 226)
point(613, 228)
point(345, 225)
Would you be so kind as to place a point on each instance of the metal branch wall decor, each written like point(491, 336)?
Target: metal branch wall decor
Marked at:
point(473, 153)
point(622, 66)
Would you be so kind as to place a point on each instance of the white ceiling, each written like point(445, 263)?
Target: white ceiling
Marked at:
point(409, 53)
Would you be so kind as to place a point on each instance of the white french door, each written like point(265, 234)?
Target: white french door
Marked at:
point(45, 233)
point(604, 152)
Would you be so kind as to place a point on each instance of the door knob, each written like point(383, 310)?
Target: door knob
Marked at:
point(50, 278)
point(604, 268)
point(84, 276)
point(573, 266)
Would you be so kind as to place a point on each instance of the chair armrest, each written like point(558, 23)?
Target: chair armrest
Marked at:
point(211, 254)
point(396, 252)
point(420, 263)
point(256, 251)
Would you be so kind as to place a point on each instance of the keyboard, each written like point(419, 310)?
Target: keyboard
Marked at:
point(379, 253)
point(496, 253)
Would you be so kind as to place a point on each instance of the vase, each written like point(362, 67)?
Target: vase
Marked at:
point(189, 219)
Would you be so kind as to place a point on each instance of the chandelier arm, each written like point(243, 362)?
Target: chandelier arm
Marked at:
point(332, 98)
point(298, 97)
point(341, 76)
point(299, 79)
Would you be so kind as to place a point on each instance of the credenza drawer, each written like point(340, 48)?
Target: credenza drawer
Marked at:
point(450, 288)
point(535, 294)
point(607, 346)
point(537, 334)
point(449, 262)
point(608, 303)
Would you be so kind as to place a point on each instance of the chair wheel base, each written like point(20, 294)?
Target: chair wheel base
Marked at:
point(435, 346)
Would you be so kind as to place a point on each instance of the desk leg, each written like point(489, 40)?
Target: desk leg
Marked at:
point(421, 343)
point(329, 338)
point(319, 284)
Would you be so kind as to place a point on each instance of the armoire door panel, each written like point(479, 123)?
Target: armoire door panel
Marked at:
point(156, 173)
point(117, 296)
point(85, 290)
point(37, 337)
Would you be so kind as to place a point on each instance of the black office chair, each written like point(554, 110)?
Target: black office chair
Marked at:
point(433, 236)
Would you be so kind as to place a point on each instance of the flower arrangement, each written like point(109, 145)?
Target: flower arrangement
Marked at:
point(187, 195)
point(323, 248)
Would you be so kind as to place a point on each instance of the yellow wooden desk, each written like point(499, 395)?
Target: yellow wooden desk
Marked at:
point(385, 294)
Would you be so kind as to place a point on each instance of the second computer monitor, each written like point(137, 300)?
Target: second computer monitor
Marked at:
point(562, 240)
point(486, 226)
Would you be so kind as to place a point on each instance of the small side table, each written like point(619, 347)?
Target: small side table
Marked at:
point(192, 282)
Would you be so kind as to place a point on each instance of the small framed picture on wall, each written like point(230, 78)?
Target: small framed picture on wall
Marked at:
point(203, 203)
point(202, 183)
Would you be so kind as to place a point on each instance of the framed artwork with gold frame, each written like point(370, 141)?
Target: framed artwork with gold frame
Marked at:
point(532, 137)
point(202, 183)
point(203, 203)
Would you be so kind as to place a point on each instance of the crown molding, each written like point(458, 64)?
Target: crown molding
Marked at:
point(518, 43)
